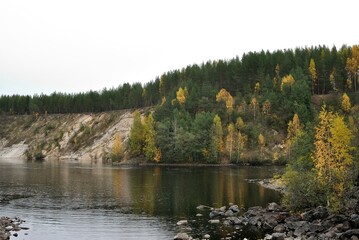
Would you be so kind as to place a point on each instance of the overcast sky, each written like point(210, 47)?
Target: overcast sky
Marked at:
point(81, 45)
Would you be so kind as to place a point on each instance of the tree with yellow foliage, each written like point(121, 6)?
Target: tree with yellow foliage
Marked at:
point(346, 105)
point(217, 137)
point(254, 105)
point(118, 150)
point(313, 74)
point(149, 148)
point(287, 81)
point(266, 108)
point(352, 66)
point(332, 157)
point(261, 140)
point(181, 95)
point(226, 97)
point(230, 140)
point(293, 131)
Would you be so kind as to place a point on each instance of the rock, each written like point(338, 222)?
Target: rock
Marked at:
point(354, 221)
point(234, 208)
point(235, 220)
point(316, 228)
point(350, 233)
point(279, 228)
point(294, 225)
point(222, 209)
point(215, 214)
point(206, 236)
point(229, 213)
point(308, 216)
point(8, 228)
point(273, 207)
point(214, 221)
point(182, 222)
point(320, 213)
point(199, 215)
point(182, 236)
point(278, 236)
point(337, 218)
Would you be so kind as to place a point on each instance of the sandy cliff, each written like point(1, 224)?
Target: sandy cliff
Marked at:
point(85, 137)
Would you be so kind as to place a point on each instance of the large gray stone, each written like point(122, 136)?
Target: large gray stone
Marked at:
point(278, 236)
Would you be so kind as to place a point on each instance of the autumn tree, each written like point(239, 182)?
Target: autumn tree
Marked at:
point(346, 105)
point(137, 136)
point(150, 150)
point(254, 106)
point(332, 157)
point(261, 142)
point(230, 140)
point(118, 149)
point(352, 66)
point(287, 81)
point(266, 108)
point(293, 131)
point(224, 96)
point(181, 95)
point(217, 137)
point(313, 74)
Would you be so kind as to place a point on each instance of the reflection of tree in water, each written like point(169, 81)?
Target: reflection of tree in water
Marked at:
point(177, 192)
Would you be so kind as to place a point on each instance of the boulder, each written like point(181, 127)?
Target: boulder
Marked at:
point(182, 222)
point(320, 213)
point(278, 236)
point(234, 208)
point(273, 207)
point(182, 236)
point(214, 221)
point(308, 216)
point(279, 228)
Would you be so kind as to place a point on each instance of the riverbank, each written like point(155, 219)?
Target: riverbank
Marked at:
point(274, 222)
point(10, 227)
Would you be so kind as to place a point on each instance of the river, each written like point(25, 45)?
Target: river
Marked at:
point(69, 200)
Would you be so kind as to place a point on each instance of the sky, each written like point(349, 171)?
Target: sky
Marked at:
point(80, 45)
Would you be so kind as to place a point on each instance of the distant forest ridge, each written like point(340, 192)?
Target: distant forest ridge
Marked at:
point(334, 70)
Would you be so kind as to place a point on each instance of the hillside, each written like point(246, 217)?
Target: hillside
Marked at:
point(85, 137)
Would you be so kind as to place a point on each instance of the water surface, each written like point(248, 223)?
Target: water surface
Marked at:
point(69, 200)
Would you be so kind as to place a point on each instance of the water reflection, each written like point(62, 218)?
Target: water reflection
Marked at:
point(83, 192)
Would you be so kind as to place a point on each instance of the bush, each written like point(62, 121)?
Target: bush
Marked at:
point(303, 190)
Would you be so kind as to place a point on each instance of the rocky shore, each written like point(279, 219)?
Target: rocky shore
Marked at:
point(276, 223)
point(10, 227)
